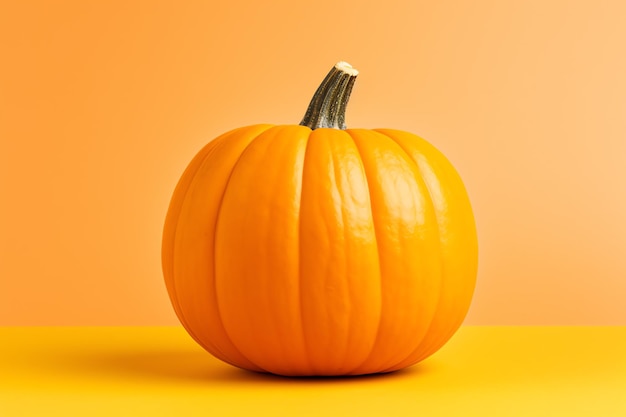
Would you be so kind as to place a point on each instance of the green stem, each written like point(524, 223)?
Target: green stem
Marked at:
point(328, 106)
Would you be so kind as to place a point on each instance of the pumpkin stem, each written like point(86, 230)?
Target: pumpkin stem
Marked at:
point(328, 106)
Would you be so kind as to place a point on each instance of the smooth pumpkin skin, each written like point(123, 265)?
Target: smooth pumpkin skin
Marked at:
point(320, 252)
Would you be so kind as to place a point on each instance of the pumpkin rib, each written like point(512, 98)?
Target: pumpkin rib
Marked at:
point(215, 256)
point(217, 219)
point(399, 325)
point(305, 357)
point(337, 171)
point(439, 167)
point(339, 290)
point(333, 178)
point(461, 308)
point(430, 202)
point(410, 358)
point(356, 370)
point(216, 334)
point(171, 229)
point(260, 224)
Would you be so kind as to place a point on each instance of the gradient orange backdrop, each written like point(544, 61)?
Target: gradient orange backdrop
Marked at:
point(103, 104)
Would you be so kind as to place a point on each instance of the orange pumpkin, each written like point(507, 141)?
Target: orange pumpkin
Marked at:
point(315, 250)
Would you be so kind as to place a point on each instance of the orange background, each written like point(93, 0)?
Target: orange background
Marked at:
point(103, 104)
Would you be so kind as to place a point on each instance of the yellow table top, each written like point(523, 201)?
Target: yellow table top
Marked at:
point(160, 371)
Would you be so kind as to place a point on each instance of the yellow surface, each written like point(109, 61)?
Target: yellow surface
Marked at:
point(486, 371)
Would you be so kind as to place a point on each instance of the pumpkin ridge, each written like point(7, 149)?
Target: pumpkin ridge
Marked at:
point(404, 327)
point(172, 222)
point(306, 357)
point(420, 345)
point(217, 217)
point(334, 163)
point(435, 161)
point(241, 324)
point(341, 289)
point(250, 132)
point(429, 201)
point(175, 217)
point(355, 370)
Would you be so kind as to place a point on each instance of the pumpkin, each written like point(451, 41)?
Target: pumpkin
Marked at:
point(313, 249)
